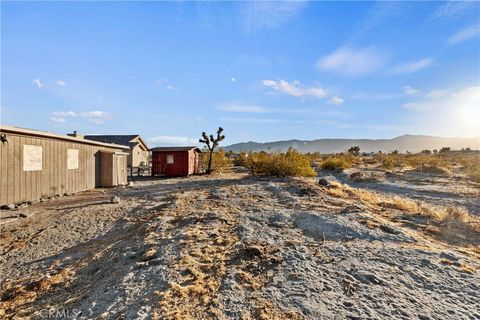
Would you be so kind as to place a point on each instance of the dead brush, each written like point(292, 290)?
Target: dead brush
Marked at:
point(457, 225)
point(453, 225)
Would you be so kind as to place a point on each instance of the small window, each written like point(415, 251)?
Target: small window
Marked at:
point(169, 158)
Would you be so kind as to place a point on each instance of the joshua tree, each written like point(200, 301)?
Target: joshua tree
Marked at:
point(354, 150)
point(211, 144)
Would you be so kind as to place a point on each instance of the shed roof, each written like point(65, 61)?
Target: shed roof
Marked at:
point(46, 134)
point(118, 139)
point(168, 149)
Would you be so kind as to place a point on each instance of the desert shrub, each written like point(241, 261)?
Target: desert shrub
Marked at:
point(335, 163)
point(241, 160)
point(471, 165)
point(288, 164)
point(388, 163)
point(220, 162)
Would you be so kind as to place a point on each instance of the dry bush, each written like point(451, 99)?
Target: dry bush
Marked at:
point(220, 163)
point(470, 163)
point(450, 224)
point(336, 163)
point(288, 164)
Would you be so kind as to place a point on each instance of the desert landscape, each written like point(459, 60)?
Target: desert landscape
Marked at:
point(247, 159)
point(358, 243)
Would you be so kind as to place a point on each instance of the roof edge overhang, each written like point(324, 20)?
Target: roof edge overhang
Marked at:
point(45, 134)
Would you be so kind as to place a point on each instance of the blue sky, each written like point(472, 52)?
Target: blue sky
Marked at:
point(262, 70)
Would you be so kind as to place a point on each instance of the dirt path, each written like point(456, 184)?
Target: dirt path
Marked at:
point(229, 247)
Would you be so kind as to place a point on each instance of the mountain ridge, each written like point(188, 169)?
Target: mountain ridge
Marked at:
point(403, 143)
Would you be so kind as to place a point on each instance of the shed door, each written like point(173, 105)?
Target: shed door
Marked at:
point(121, 170)
point(158, 163)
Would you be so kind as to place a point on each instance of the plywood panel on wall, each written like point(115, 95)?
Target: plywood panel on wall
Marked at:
point(46, 162)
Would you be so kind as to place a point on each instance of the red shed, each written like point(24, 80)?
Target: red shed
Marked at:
point(175, 161)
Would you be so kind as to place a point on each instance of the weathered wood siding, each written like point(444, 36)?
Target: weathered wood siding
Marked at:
point(185, 163)
point(18, 185)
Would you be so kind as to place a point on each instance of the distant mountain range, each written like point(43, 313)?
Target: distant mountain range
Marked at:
point(412, 143)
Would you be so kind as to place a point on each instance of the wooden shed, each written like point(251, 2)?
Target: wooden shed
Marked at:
point(36, 164)
point(138, 153)
point(175, 161)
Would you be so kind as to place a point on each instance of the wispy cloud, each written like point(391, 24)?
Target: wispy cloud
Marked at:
point(172, 141)
point(465, 34)
point(379, 13)
point(336, 101)
point(352, 61)
point(257, 15)
point(94, 117)
point(249, 120)
point(61, 83)
point(164, 83)
point(58, 120)
point(295, 89)
point(374, 96)
point(239, 107)
point(411, 67)
point(38, 83)
point(452, 9)
point(409, 91)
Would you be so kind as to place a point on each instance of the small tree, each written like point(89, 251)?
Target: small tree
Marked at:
point(211, 144)
point(355, 150)
point(445, 150)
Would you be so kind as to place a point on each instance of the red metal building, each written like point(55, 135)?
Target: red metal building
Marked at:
point(175, 161)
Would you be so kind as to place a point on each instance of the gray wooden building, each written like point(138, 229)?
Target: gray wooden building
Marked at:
point(36, 164)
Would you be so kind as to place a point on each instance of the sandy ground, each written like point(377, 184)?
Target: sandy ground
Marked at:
point(230, 246)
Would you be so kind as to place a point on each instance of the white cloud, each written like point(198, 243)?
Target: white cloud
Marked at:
point(351, 61)
point(451, 113)
point(61, 83)
point(411, 66)
point(465, 34)
point(374, 96)
point(295, 89)
point(258, 15)
point(164, 83)
point(95, 117)
point(336, 100)
point(232, 79)
point(249, 120)
point(409, 91)
point(38, 83)
point(173, 141)
point(452, 9)
point(57, 120)
point(437, 93)
point(238, 107)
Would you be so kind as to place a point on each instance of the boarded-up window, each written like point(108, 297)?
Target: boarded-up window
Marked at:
point(72, 159)
point(32, 158)
point(169, 158)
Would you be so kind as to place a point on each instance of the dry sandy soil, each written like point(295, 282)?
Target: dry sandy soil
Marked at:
point(233, 246)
